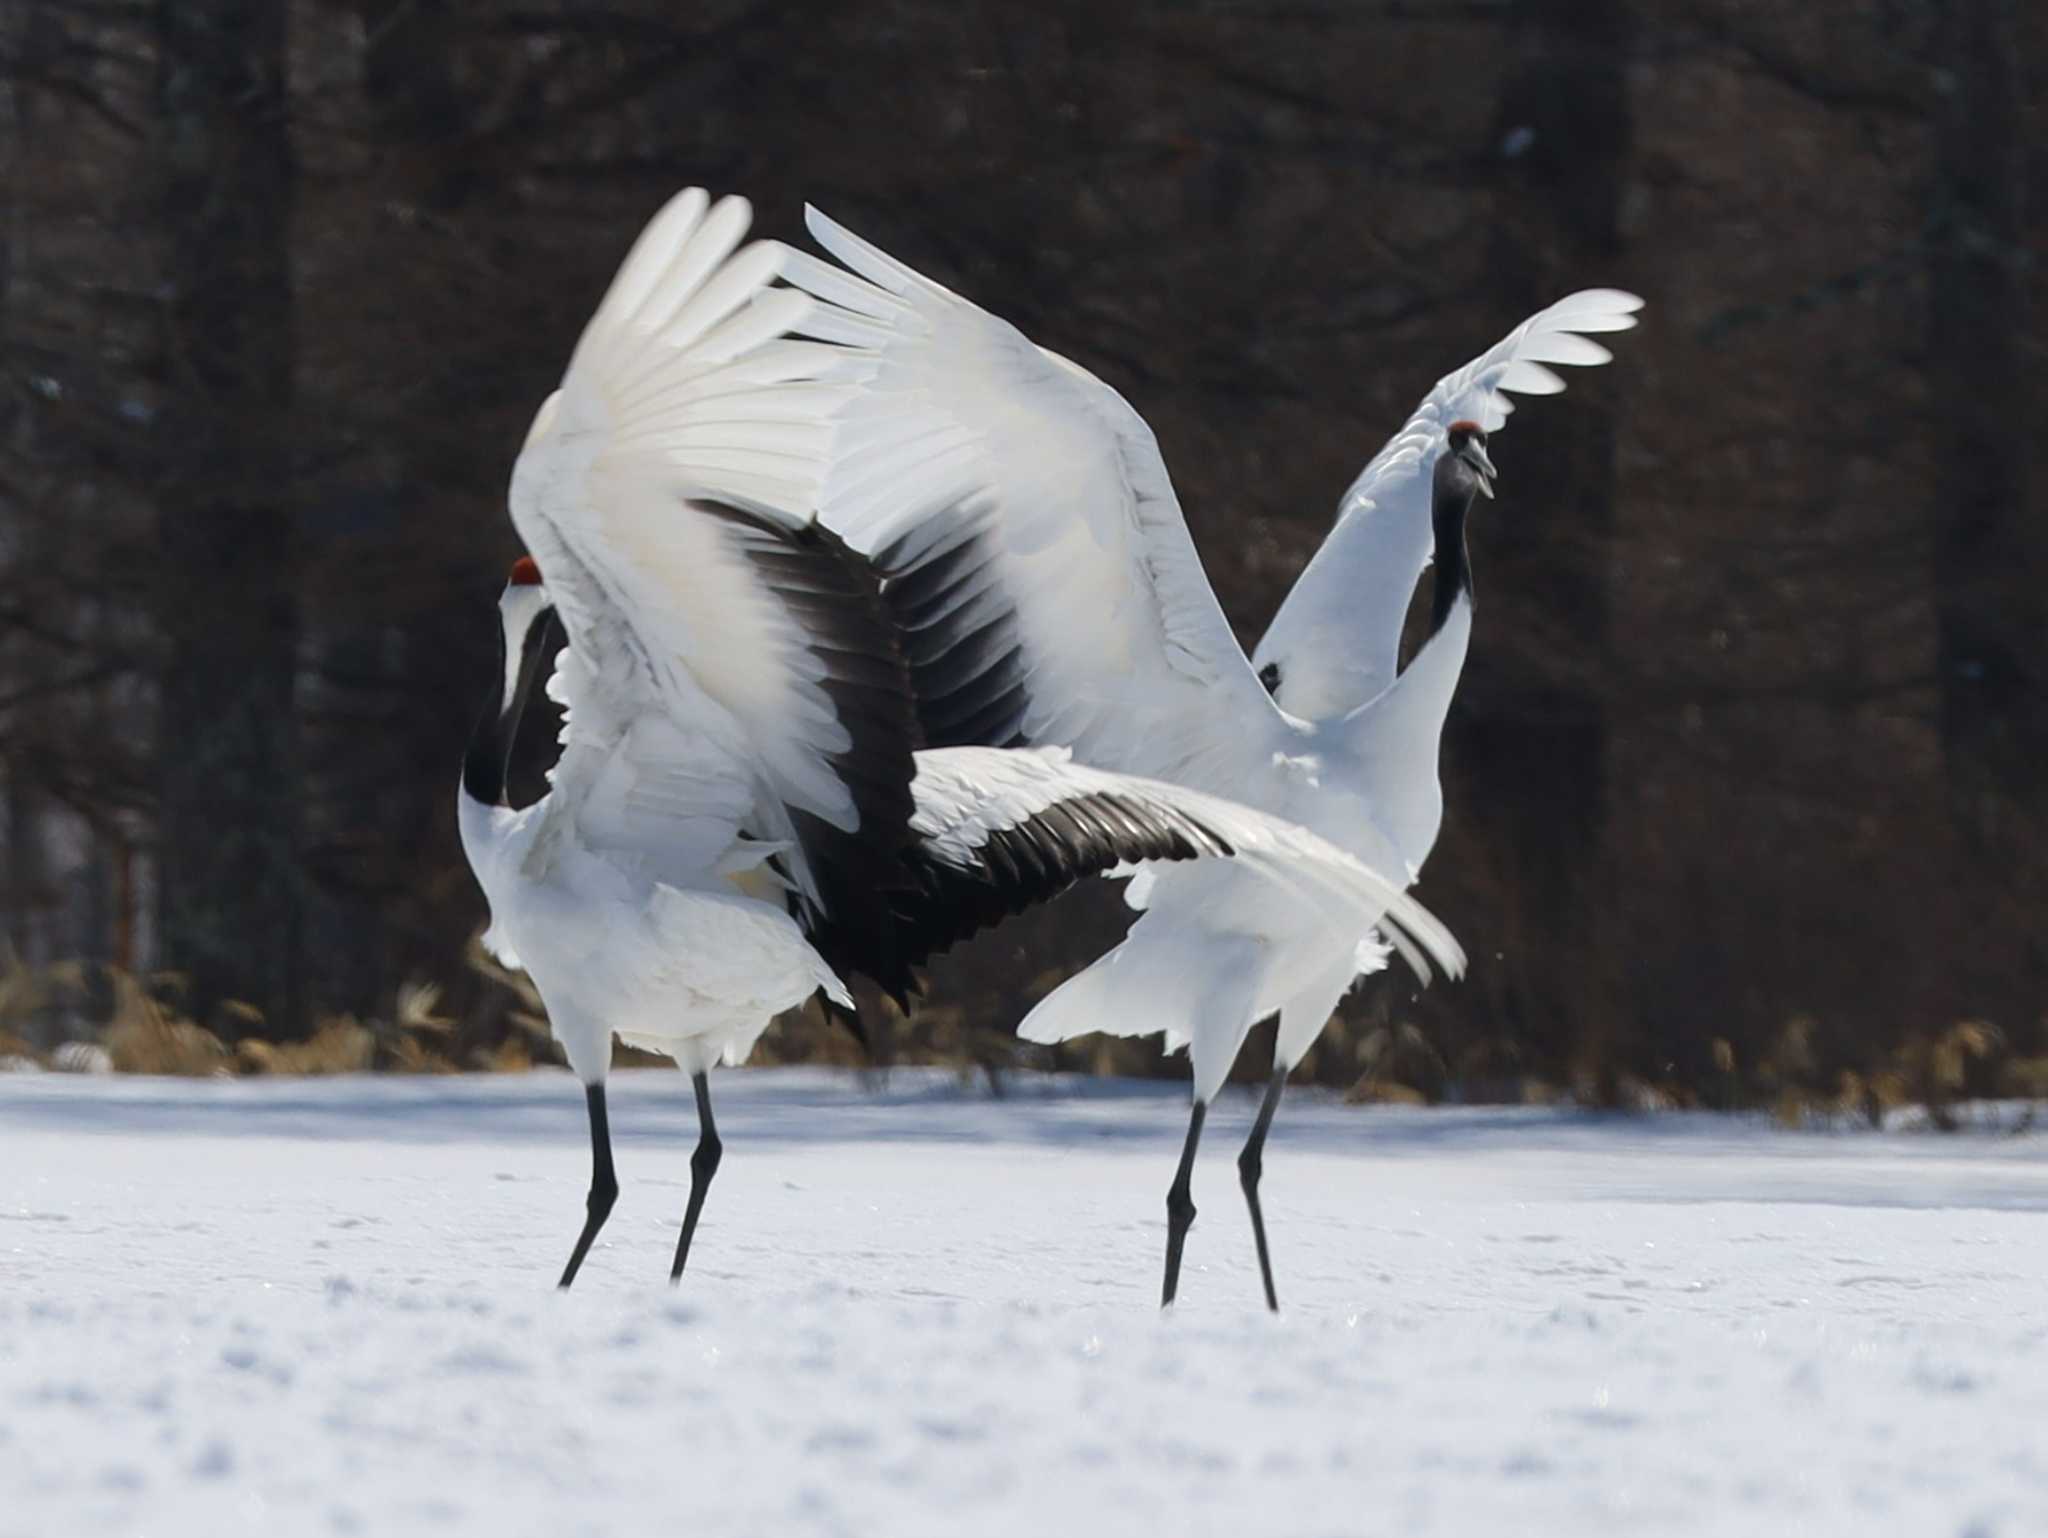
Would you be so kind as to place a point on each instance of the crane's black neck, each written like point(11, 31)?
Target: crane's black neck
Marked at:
point(1451, 493)
point(486, 764)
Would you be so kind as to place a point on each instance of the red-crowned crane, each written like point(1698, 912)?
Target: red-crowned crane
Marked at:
point(1052, 596)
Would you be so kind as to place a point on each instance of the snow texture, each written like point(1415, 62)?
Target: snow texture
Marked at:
point(328, 1307)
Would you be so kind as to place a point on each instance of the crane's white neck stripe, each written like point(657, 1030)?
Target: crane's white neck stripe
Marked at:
point(520, 609)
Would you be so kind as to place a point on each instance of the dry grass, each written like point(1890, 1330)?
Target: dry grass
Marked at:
point(145, 1034)
point(501, 1027)
point(339, 1045)
point(143, 1028)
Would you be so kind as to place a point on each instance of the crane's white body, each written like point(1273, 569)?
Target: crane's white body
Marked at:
point(695, 971)
point(1183, 969)
point(1040, 497)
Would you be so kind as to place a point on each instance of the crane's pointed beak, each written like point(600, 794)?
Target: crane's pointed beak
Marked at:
point(1474, 454)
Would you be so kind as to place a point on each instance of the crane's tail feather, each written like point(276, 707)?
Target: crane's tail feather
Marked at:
point(1197, 990)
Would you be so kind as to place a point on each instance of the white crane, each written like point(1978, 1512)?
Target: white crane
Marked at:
point(1052, 595)
point(736, 817)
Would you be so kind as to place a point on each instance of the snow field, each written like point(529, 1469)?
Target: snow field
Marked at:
point(327, 1307)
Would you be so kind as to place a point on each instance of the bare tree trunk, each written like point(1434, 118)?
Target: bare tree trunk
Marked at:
point(409, 81)
point(230, 891)
point(26, 897)
point(1991, 547)
point(1563, 135)
point(19, 821)
point(413, 120)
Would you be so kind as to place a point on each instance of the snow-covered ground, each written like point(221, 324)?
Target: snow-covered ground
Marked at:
point(327, 1307)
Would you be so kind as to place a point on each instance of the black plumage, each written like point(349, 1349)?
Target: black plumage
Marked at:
point(959, 635)
point(1453, 485)
point(1037, 858)
point(486, 766)
point(833, 597)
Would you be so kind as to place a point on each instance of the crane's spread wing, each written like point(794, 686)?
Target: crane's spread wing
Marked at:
point(998, 830)
point(1035, 552)
point(727, 660)
point(1336, 641)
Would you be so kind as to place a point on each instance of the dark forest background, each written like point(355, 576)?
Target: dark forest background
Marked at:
point(1746, 780)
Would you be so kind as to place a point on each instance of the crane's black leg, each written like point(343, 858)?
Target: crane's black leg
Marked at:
point(1250, 1164)
point(604, 1182)
point(703, 1165)
point(1180, 1205)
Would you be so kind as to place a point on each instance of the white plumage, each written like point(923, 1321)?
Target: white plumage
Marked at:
point(964, 433)
point(1053, 595)
point(736, 814)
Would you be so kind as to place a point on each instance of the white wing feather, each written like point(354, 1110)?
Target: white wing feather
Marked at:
point(962, 426)
point(687, 386)
point(1336, 640)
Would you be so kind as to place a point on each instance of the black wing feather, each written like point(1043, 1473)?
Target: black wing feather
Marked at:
point(908, 664)
point(1040, 857)
point(959, 634)
point(834, 597)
